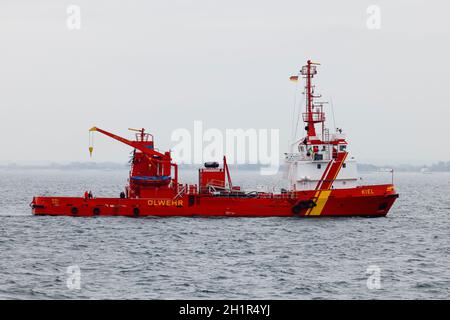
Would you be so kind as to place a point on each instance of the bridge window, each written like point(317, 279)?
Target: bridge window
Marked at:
point(319, 166)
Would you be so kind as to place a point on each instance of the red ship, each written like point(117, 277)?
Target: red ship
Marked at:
point(323, 181)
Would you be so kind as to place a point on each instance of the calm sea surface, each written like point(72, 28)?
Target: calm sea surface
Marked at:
point(215, 258)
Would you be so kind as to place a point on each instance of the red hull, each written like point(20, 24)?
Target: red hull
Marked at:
point(372, 201)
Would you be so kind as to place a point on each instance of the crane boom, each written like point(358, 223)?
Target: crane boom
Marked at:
point(134, 144)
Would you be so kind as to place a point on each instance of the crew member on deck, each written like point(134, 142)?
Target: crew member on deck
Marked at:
point(334, 153)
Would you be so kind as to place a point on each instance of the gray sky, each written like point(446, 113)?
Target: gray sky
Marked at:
point(163, 64)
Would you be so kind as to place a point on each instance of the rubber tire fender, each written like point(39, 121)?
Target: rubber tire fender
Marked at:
point(311, 203)
point(296, 209)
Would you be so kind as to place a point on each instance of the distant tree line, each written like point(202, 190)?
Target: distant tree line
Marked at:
point(441, 166)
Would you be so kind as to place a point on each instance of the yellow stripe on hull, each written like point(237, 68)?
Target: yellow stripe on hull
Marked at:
point(322, 198)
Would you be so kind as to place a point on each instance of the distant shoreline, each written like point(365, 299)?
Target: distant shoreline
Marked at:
point(440, 166)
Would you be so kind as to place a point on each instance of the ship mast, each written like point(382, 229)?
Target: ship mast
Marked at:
point(314, 114)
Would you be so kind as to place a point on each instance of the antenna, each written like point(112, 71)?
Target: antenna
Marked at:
point(314, 113)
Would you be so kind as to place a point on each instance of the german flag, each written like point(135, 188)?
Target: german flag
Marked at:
point(293, 78)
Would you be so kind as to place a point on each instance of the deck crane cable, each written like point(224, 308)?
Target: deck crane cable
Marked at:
point(276, 184)
point(298, 118)
point(91, 143)
point(332, 111)
point(293, 113)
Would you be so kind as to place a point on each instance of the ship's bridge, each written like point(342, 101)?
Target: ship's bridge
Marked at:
point(308, 166)
point(320, 151)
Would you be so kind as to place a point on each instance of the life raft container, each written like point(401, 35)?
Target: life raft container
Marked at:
point(151, 180)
